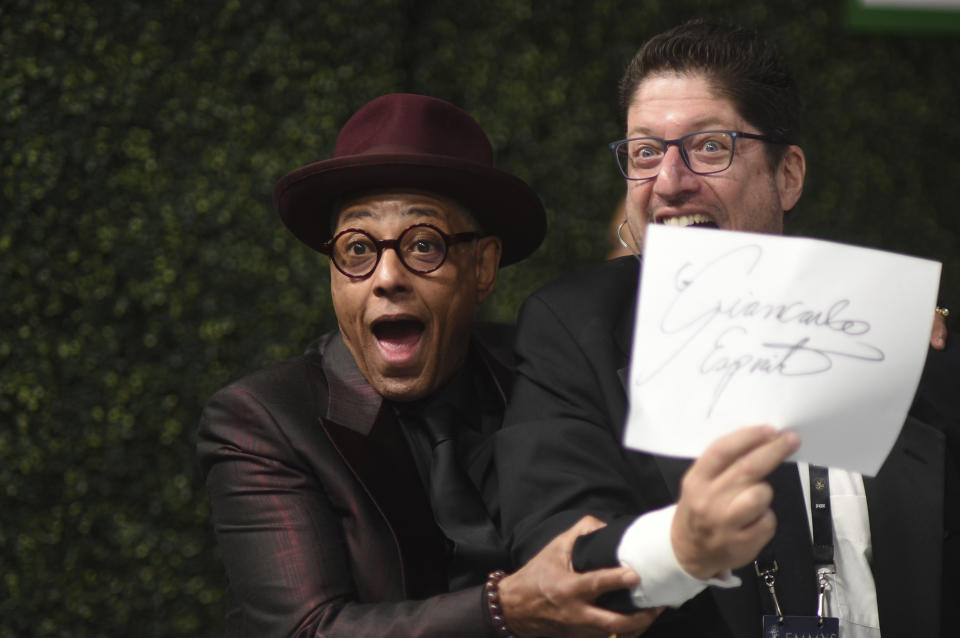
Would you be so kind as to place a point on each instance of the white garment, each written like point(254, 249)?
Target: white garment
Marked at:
point(646, 548)
point(853, 598)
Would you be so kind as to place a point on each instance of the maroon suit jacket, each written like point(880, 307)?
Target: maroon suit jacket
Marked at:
point(323, 522)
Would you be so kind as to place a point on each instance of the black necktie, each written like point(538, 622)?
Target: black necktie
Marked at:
point(457, 506)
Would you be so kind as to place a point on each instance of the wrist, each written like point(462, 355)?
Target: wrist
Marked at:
point(494, 605)
point(686, 554)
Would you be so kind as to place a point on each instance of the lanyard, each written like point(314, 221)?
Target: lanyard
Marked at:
point(766, 568)
point(820, 517)
point(822, 522)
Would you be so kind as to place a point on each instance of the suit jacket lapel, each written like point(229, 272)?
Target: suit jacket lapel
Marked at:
point(623, 334)
point(365, 433)
point(908, 489)
point(384, 466)
point(647, 466)
point(500, 372)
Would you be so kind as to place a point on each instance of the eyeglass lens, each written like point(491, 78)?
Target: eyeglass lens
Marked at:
point(421, 249)
point(704, 152)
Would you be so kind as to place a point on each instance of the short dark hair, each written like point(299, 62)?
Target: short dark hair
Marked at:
point(741, 66)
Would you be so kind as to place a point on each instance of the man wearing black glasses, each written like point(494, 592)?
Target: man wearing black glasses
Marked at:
point(352, 488)
point(711, 127)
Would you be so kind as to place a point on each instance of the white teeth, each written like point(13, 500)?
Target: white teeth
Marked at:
point(687, 220)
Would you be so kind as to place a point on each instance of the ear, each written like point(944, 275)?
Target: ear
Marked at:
point(488, 265)
point(790, 174)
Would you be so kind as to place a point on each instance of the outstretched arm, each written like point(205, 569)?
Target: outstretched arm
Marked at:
point(548, 598)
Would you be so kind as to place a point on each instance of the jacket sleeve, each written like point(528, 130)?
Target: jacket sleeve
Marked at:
point(282, 541)
point(559, 456)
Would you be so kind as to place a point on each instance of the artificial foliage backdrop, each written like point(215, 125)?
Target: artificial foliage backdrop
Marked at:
point(142, 266)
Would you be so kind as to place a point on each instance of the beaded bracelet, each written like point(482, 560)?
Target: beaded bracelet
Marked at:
point(492, 590)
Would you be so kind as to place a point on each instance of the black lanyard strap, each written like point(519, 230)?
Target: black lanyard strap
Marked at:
point(766, 566)
point(820, 516)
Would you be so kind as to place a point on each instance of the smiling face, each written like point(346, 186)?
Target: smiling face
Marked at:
point(409, 332)
point(749, 196)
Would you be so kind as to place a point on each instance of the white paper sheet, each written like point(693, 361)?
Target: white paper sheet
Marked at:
point(736, 329)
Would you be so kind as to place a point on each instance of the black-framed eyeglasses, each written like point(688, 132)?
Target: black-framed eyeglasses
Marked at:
point(422, 248)
point(703, 152)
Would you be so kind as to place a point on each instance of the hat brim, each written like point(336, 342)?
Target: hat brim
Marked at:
point(504, 205)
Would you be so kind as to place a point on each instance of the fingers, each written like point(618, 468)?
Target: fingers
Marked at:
point(755, 464)
point(748, 505)
point(938, 335)
point(728, 448)
point(585, 525)
point(563, 543)
point(747, 541)
point(546, 597)
point(724, 516)
point(591, 585)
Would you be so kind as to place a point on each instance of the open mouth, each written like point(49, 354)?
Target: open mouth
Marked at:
point(698, 220)
point(398, 339)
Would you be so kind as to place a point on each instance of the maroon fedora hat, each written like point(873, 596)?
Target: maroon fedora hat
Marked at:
point(404, 141)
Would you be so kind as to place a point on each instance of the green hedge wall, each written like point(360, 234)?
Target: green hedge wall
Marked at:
point(142, 266)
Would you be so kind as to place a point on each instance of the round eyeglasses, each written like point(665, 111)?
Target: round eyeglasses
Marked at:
point(703, 152)
point(422, 248)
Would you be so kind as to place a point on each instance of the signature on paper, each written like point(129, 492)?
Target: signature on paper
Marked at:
point(829, 330)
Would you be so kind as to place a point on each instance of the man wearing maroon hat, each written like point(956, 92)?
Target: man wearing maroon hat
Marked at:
point(352, 487)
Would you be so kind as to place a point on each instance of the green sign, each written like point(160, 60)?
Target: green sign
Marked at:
point(904, 16)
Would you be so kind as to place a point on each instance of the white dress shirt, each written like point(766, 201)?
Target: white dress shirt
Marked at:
point(853, 598)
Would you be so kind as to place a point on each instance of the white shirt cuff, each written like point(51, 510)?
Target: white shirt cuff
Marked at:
point(645, 547)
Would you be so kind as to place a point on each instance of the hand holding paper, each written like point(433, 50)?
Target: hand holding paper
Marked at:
point(738, 329)
point(723, 518)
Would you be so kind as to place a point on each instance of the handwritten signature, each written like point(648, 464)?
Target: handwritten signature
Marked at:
point(733, 351)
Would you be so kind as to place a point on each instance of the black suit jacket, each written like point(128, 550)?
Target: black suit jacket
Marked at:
point(322, 519)
point(561, 451)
